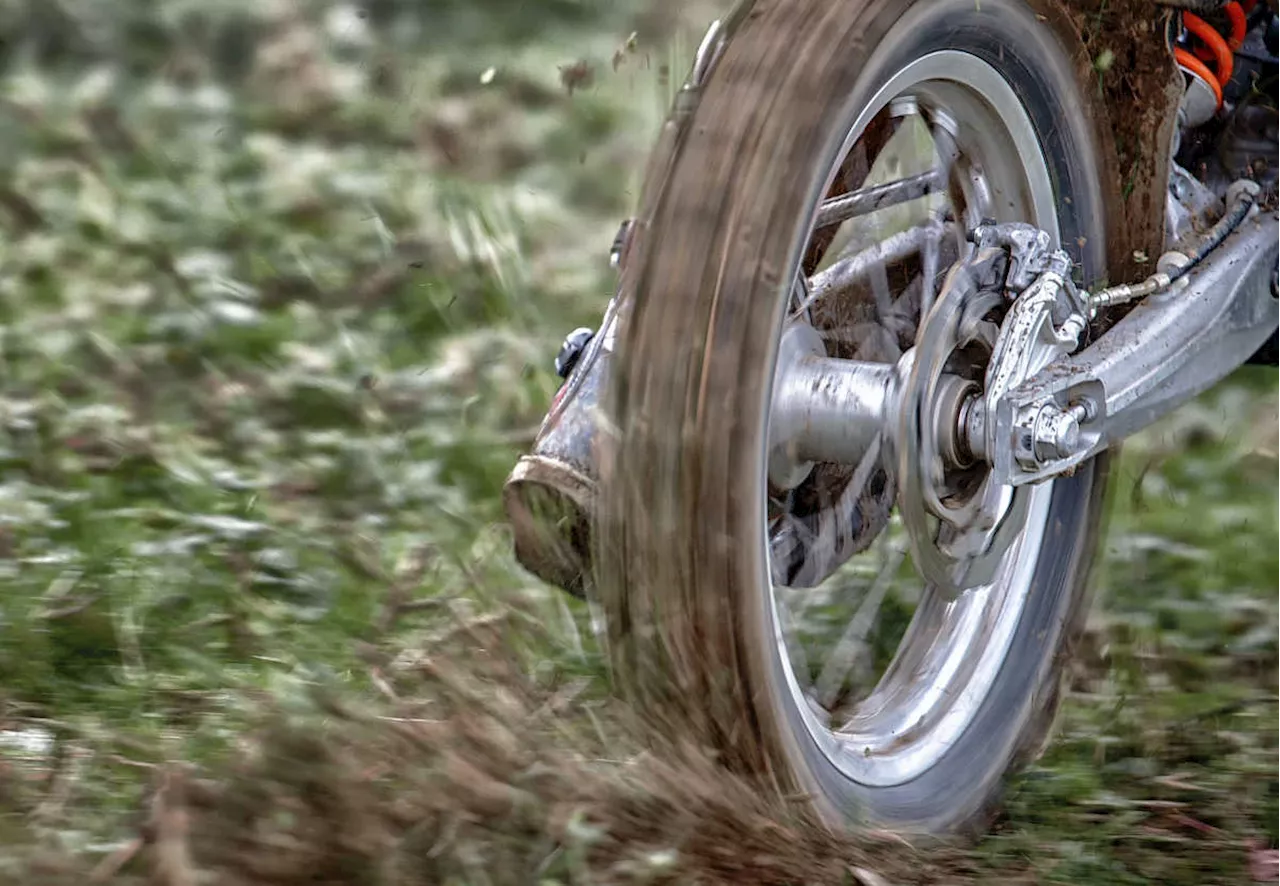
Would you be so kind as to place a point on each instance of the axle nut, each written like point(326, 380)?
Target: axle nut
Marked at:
point(1057, 434)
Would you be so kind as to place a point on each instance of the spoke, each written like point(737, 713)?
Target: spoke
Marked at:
point(848, 272)
point(884, 313)
point(876, 197)
point(942, 130)
point(838, 531)
point(799, 301)
point(879, 276)
point(928, 275)
point(787, 535)
point(852, 645)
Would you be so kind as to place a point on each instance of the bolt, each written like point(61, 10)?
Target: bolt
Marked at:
point(1067, 435)
point(1057, 433)
point(1084, 409)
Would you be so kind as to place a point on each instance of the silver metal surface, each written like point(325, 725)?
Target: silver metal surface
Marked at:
point(877, 197)
point(1189, 206)
point(1167, 350)
point(944, 129)
point(824, 409)
point(1031, 252)
point(853, 269)
point(707, 55)
point(1030, 339)
point(1199, 101)
point(571, 350)
point(955, 645)
point(1055, 433)
point(550, 495)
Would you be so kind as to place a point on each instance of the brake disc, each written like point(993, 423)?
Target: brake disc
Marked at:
point(958, 522)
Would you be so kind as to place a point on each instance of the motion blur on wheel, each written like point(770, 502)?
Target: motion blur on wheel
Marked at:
point(833, 467)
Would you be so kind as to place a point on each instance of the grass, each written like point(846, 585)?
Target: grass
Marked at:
point(280, 286)
point(261, 343)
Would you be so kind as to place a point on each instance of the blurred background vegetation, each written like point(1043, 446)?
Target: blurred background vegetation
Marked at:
point(280, 286)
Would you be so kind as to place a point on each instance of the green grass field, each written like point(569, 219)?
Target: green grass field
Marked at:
point(280, 288)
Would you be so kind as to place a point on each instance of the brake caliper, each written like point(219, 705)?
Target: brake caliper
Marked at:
point(1027, 442)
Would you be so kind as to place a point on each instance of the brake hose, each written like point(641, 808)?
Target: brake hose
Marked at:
point(1242, 202)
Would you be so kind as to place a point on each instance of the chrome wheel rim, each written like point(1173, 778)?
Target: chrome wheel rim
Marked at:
point(952, 649)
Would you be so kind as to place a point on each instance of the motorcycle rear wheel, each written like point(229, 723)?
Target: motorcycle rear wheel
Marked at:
point(684, 565)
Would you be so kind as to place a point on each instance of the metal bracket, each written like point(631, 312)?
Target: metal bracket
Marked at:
point(1169, 349)
point(1031, 253)
point(1030, 339)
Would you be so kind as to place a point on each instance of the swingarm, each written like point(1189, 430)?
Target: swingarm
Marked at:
point(1198, 321)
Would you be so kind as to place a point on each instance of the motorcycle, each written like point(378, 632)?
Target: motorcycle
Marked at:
point(863, 314)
